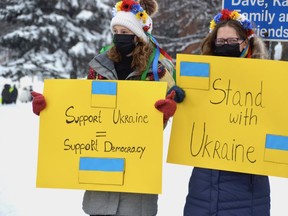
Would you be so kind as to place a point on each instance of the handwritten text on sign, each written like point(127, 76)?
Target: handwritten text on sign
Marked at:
point(234, 115)
point(101, 135)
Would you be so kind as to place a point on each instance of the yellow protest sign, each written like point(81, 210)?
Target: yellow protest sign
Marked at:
point(101, 135)
point(234, 116)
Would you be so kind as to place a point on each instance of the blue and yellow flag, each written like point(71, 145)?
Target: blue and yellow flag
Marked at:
point(276, 149)
point(196, 75)
point(104, 94)
point(108, 171)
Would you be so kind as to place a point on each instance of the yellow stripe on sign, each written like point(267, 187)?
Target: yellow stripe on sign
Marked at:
point(276, 156)
point(103, 101)
point(101, 177)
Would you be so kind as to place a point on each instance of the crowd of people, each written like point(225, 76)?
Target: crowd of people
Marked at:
point(10, 94)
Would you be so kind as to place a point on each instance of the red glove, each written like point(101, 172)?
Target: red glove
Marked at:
point(167, 106)
point(38, 102)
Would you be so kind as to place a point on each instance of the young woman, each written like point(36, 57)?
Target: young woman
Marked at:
point(224, 193)
point(130, 58)
point(134, 55)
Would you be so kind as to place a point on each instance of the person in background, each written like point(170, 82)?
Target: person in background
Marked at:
point(25, 95)
point(223, 193)
point(14, 93)
point(6, 94)
point(134, 55)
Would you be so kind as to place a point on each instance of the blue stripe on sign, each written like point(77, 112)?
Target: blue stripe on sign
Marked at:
point(107, 88)
point(194, 69)
point(102, 164)
point(276, 142)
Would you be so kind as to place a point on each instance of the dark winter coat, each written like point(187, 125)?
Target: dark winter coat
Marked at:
point(101, 67)
point(223, 193)
point(115, 203)
point(6, 95)
point(14, 94)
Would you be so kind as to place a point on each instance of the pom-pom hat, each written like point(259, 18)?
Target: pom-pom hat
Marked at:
point(132, 15)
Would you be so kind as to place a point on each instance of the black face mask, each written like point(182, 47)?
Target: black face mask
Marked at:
point(124, 43)
point(228, 50)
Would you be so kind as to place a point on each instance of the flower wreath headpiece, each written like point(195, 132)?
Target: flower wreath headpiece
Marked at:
point(135, 8)
point(233, 15)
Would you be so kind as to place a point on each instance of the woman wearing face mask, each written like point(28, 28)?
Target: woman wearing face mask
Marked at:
point(134, 55)
point(224, 193)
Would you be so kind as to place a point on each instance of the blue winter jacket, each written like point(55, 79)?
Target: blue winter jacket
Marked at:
point(223, 193)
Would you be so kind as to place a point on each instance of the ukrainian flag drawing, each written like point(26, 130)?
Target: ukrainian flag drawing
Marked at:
point(195, 75)
point(104, 94)
point(109, 171)
point(276, 149)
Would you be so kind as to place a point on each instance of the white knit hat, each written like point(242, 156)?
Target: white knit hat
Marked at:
point(130, 14)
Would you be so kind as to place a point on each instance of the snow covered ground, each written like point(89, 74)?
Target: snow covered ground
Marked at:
point(19, 196)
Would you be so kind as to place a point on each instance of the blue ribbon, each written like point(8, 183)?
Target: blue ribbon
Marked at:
point(156, 58)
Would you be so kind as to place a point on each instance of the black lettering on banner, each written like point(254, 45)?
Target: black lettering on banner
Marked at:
point(206, 147)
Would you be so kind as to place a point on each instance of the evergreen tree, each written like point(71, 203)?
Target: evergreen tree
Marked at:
point(55, 38)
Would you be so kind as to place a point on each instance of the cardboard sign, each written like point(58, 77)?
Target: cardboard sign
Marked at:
point(234, 116)
point(101, 135)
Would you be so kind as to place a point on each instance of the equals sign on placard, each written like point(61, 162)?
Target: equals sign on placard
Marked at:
point(101, 134)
